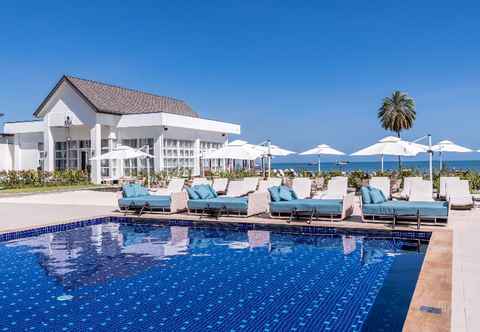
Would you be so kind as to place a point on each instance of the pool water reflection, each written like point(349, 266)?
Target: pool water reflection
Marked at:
point(119, 276)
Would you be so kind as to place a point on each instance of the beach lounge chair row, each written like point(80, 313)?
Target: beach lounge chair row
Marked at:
point(248, 197)
point(239, 200)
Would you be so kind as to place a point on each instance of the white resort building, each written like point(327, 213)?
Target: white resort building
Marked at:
point(81, 119)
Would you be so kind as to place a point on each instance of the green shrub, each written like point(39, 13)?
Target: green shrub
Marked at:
point(33, 178)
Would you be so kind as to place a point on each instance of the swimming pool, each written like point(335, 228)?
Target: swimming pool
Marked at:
point(117, 275)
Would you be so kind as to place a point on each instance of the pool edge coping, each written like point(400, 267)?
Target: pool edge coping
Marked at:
point(434, 287)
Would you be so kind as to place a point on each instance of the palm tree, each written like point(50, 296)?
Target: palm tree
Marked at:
point(397, 113)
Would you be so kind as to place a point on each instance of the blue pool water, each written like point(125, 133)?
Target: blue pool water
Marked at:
point(124, 276)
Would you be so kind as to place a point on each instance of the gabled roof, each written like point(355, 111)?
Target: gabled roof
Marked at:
point(111, 99)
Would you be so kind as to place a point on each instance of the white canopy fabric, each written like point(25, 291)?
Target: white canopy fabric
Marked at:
point(238, 150)
point(123, 152)
point(274, 150)
point(392, 146)
point(322, 149)
point(448, 146)
point(268, 150)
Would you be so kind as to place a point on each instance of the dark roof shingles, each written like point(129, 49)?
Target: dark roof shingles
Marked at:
point(117, 100)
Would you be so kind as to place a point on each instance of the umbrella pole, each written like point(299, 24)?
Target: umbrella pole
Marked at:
point(441, 163)
point(319, 167)
point(269, 165)
point(148, 172)
point(382, 163)
point(430, 160)
point(269, 157)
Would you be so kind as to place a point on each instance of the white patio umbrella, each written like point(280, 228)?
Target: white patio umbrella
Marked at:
point(392, 146)
point(123, 152)
point(269, 150)
point(238, 150)
point(322, 149)
point(448, 146)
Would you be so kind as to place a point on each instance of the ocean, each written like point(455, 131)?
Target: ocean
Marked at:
point(370, 166)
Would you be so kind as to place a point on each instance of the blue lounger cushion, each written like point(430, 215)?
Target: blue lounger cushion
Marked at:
point(153, 201)
point(366, 198)
point(321, 206)
point(376, 196)
point(230, 203)
point(399, 208)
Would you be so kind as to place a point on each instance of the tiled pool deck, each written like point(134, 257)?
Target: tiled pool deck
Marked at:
point(451, 249)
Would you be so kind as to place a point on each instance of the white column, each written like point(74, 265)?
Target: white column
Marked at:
point(112, 138)
point(196, 156)
point(158, 153)
point(96, 142)
point(49, 148)
point(17, 155)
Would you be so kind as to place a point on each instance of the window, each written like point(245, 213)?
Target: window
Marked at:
point(143, 162)
point(85, 144)
point(41, 152)
point(72, 154)
point(60, 155)
point(178, 153)
point(130, 165)
point(209, 146)
point(66, 155)
point(105, 163)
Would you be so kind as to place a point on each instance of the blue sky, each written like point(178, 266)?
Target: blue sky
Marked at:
point(300, 73)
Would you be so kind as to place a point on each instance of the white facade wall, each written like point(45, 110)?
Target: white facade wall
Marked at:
point(87, 124)
point(26, 153)
point(6, 155)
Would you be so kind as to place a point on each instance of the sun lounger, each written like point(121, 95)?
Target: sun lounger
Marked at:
point(407, 182)
point(302, 187)
point(251, 184)
point(174, 186)
point(236, 188)
point(444, 182)
point(263, 185)
point(254, 203)
point(381, 209)
point(421, 191)
point(320, 209)
point(137, 198)
point(459, 196)
point(336, 189)
point(382, 183)
point(220, 185)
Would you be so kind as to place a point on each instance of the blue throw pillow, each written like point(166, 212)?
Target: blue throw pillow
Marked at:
point(203, 191)
point(285, 193)
point(274, 195)
point(294, 194)
point(366, 198)
point(214, 193)
point(129, 191)
point(377, 196)
point(191, 193)
point(141, 191)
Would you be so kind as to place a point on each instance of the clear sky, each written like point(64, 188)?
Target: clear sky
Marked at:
point(300, 73)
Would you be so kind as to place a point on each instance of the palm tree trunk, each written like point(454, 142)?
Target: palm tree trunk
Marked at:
point(399, 158)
